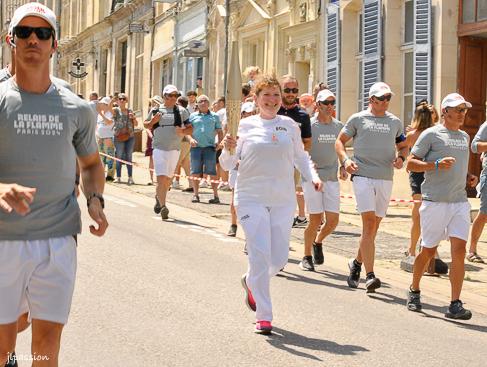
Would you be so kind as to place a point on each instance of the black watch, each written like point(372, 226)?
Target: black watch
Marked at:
point(98, 196)
point(403, 159)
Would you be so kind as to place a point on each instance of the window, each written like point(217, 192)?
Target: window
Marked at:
point(468, 11)
point(190, 82)
point(409, 21)
point(139, 70)
point(166, 73)
point(123, 66)
point(103, 71)
point(408, 87)
point(199, 67)
point(474, 11)
point(360, 55)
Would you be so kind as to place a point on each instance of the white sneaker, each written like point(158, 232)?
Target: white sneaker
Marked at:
point(118, 180)
point(175, 185)
point(203, 184)
point(130, 181)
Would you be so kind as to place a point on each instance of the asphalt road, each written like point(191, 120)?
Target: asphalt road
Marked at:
point(153, 293)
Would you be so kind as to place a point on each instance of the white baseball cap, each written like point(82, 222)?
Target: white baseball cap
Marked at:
point(453, 100)
point(168, 89)
point(247, 107)
point(379, 89)
point(324, 94)
point(105, 100)
point(32, 10)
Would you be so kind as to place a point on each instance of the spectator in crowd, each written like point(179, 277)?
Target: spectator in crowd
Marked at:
point(104, 135)
point(199, 86)
point(307, 103)
point(191, 95)
point(246, 92)
point(206, 125)
point(124, 124)
point(251, 74)
point(183, 161)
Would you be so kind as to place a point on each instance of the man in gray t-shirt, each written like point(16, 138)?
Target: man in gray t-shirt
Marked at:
point(43, 129)
point(377, 135)
point(442, 153)
point(170, 123)
point(479, 145)
point(324, 131)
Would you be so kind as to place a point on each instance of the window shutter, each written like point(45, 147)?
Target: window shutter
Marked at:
point(422, 50)
point(372, 46)
point(333, 49)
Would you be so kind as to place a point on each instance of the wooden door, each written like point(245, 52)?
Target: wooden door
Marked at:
point(472, 85)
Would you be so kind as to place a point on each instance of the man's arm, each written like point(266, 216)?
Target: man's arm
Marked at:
point(349, 165)
point(93, 182)
point(416, 164)
point(307, 144)
point(402, 152)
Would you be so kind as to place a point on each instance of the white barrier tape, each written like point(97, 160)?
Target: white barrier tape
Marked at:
point(135, 164)
point(343, 196)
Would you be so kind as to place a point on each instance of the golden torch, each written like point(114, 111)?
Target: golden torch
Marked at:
point(233, 93)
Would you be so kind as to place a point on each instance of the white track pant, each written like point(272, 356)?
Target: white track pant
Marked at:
point(267, 232)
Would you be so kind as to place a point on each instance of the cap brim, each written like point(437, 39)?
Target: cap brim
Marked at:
point(458, 103)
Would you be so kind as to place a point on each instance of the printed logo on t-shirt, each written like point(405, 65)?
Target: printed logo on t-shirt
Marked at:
point(460, 144)
point(377, 127)
point(280, 128)
point(327, 138)
point(38, 124)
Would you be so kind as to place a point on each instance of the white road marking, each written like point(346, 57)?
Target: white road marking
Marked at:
point(119, 201)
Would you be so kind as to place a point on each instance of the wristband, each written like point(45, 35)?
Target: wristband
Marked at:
point(437, 162)
point(343, 162)
point(98, 196)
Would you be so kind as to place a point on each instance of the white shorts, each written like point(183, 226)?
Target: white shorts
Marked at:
point(372, 195)
point(37, 277)
point(440, 221)
point(318, 202)
point(165, 161)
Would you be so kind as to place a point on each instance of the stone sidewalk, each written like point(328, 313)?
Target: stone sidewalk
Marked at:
point(392, 239)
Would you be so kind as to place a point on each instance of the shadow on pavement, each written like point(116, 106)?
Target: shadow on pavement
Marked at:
point(289, 341)
point(462, 324)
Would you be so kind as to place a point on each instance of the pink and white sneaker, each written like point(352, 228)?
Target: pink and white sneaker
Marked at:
point(263, 327)
point(249, 299)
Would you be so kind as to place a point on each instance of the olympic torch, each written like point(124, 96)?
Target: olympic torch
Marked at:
point(233, 93)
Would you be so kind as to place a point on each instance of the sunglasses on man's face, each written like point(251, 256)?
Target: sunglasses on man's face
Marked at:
point(326, 103)
point(291, 90)
point(43, 33)
point(122, 99)
point(383, 98)
point(173, 95)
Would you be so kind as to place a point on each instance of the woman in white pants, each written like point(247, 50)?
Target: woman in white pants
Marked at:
point(267, 149)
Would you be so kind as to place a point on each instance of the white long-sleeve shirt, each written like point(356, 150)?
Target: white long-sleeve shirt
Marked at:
point(267, 151)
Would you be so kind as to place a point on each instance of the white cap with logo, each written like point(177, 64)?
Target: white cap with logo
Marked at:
point(379, 89)
point(453, 100)
point(168, 89)
point(324, 95)
point(247, 107)
point(32, 10)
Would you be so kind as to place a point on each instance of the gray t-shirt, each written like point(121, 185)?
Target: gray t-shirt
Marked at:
point(481, 136)
point(165, 137)
point(40, 137)
point(5, 75)
point(323, 148)
point(446, 185)
point(374, 143)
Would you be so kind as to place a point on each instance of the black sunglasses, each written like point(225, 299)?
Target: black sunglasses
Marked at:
point(43, 33)
point(384, 98)
point(122, 99)
point(326, 103)
point(291, 90)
